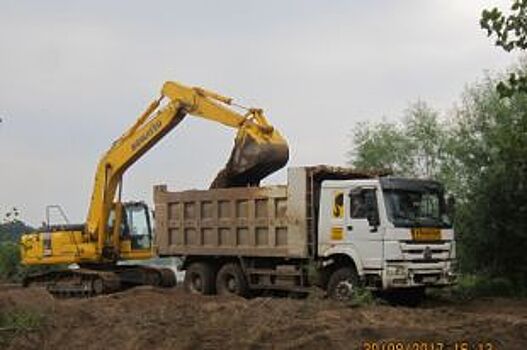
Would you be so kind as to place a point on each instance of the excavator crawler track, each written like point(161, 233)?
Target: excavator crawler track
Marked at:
point(78, 283)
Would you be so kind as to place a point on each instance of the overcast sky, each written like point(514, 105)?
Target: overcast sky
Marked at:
point(75, 74)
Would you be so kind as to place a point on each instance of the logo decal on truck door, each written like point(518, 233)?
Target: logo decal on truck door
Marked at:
point(338, 205)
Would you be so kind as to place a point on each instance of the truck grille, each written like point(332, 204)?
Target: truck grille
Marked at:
point(431, 252)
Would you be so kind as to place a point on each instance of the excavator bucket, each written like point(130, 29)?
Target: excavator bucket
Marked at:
point(254, 156)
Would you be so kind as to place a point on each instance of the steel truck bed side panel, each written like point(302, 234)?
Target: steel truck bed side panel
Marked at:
point(252, 221)
point(274, 221)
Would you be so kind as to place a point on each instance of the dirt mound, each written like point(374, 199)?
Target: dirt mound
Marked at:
point(170, 319)
point(34, 299)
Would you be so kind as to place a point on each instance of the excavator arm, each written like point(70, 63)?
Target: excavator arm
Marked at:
point(259, 150)
point(114, 230)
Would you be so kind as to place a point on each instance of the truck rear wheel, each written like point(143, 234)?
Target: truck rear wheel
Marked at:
point(342, 284)
point(231, 281)
point(199, 279)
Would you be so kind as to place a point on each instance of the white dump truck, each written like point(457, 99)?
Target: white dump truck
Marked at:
point(330, 227)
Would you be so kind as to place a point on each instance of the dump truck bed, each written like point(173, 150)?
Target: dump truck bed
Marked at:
point(273, 221)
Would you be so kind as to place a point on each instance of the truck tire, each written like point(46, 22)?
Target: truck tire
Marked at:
point(231, 281)
point(152, 278)
point(199, 279)
point(342, 284)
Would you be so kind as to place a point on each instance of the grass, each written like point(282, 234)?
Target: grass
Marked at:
point(19, 321)
point(470, 286)
point(363, 297)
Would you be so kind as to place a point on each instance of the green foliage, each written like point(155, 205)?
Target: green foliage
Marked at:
point(481, 156)
point(10, 268)
point(11, 231)
point(492, 149)
point(381, 146)
point(426, 135)
point(12, 227)
point(413, 147)
point(510, 32)
point(472, 286)
point(362, 297)
point(19, 321)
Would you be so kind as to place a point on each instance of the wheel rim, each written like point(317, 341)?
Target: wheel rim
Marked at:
point(230, 283)
point(197, 283)
point(344, 290)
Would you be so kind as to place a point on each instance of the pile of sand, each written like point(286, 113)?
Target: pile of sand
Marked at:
point(147, 318)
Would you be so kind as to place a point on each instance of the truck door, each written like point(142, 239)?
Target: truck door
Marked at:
point(363, 227)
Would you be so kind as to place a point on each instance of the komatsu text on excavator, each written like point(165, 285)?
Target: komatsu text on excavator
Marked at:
point(117, 231)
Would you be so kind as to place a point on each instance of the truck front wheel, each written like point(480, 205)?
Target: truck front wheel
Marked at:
point(342, 284)
point(231, 281)
point(199, 279)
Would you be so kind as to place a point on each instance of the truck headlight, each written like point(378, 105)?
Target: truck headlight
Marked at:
point(395, 270)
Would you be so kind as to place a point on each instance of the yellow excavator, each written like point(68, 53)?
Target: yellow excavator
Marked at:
point(117, 231)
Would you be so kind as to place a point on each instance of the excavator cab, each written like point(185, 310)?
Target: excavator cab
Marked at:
point(138, 225)
point(135, 231)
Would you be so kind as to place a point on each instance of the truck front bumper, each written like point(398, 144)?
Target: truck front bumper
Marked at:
point(409, 274)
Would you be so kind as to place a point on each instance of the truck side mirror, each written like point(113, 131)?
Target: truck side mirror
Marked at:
point(372, 214)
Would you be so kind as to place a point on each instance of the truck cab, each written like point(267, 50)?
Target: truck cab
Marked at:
point(396, 230)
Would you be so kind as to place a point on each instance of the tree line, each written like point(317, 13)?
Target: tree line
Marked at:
point(478, 150)
point(11, 228)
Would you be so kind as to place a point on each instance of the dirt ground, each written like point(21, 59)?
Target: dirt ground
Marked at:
point(147, 318)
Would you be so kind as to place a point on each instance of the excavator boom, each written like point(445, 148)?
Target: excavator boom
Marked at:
point(110, 232)
point(258, 150)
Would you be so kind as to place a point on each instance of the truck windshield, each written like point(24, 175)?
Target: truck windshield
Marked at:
point(407, 208)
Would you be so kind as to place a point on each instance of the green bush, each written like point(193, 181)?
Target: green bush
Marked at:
point(10, 268)
point(362, 297)
point(476, 286)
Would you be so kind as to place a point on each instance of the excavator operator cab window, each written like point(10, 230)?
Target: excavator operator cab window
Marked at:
point(138, 226)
